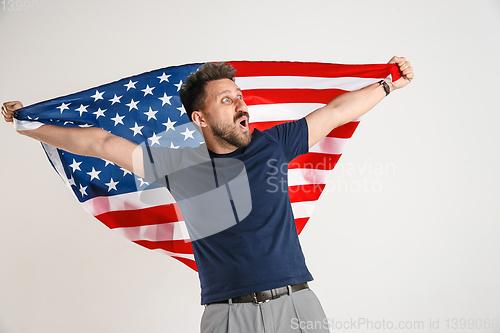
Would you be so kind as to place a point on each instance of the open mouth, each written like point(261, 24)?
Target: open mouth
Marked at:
point(243, 121)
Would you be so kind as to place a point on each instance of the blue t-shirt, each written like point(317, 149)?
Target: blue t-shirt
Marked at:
point(257, 247)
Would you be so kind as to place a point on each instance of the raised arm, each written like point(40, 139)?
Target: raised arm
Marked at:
point(89, 141)
point(354, 104)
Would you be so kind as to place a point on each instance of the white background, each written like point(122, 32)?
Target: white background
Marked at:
point(407, 231)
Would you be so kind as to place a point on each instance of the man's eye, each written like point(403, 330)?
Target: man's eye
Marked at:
point(225, 99)
point(240, 97)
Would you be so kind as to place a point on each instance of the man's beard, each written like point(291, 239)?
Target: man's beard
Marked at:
point(229, 133)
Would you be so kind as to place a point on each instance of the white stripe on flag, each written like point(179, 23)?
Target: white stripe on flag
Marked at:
point(156, 233)
point(26, 125)
point(303, 82)
point(175, 254)
point(281, 112)
point(303, 209)
point(53, 155)
point(129, 201)
point(329, 145)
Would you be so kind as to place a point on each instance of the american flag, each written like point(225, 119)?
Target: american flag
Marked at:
point(147, 107)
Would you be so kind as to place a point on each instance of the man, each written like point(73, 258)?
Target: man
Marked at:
point(252, 271)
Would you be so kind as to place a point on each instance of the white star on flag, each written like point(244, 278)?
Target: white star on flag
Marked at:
point(83, 190)
point(99, 113)
point(107, 162)
point(115, 99)
point(76, 165)
point(142, 181)
point(97, 95)
point(94, 174)
point(188, 134)
point(178, 85)
point(164, 77)
point(165, 99)
point(182, 110)
point(63, 107)
point(132, 105)
point(137, 129)
point(82, 109)
point(130, 85)
point(154, 139)
point(148, 90)
point(118, 119)
point(125, 172)
point(111, 185)
point(151, 114)
point(170, 125)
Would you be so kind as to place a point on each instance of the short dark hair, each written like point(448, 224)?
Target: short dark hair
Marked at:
point(192, 92)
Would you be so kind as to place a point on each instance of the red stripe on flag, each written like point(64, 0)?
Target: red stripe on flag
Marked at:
point(263, 125)
point(274, 96)
point(313, 69)
point(318, 161)
point(140, 217)
point(300, 224)
point(345, 131)
point(188, 262)
point(342, 132)
point(177, 246)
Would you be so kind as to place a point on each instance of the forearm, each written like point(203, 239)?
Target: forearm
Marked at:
point(81, 141)
point(343, 109)
point(92, 141)
point(354, 104)
point(87, 141)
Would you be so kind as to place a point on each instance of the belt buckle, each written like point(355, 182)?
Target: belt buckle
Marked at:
point(256, 301)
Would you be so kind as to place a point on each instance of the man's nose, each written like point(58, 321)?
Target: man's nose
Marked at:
point(241, 106)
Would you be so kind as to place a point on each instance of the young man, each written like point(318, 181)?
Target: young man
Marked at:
point(251, 267)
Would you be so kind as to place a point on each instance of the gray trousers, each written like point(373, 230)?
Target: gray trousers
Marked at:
point(299, 312)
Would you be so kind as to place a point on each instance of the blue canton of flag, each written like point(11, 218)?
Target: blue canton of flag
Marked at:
point(142, 108)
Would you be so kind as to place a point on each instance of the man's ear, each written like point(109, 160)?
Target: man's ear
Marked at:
point(199, 119)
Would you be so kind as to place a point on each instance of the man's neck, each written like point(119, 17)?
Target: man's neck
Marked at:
point(219, 146)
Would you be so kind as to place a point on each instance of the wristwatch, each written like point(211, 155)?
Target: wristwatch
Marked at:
point(386, 87)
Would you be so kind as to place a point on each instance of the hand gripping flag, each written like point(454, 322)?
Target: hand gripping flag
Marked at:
point(147, 108)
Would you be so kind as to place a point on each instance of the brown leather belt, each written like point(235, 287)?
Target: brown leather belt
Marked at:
point(264, 296)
